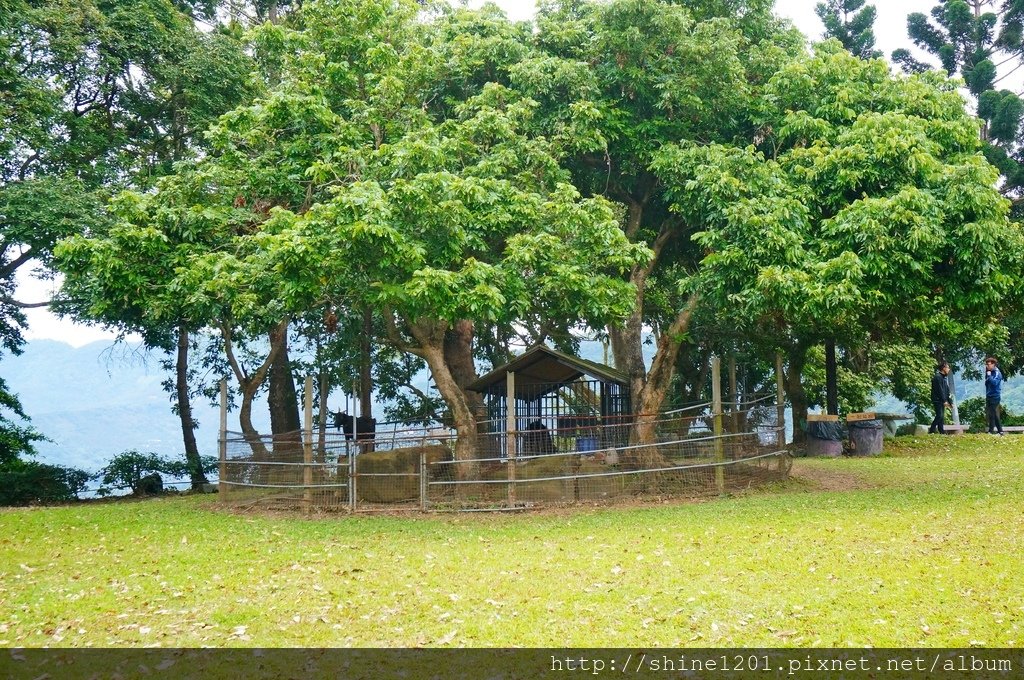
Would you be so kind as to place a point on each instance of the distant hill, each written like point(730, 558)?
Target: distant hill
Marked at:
point(98, 400)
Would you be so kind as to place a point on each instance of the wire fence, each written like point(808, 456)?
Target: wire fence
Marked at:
point(683, 453)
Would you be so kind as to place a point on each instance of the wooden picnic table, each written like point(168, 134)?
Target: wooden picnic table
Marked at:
point(889, 421)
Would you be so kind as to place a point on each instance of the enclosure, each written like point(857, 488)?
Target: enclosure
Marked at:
point(698, 451)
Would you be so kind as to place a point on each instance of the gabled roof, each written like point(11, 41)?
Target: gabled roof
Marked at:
point(542, 366)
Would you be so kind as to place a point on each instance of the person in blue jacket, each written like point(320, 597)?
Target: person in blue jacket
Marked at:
point(993, 395)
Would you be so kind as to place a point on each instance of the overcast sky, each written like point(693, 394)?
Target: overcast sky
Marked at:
point(890, 31)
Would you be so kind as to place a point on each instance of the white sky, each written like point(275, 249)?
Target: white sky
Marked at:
point(890, 33)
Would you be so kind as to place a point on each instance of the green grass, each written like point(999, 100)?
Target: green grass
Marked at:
point(922, 546)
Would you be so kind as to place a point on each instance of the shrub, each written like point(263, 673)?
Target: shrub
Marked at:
point(127, 469)
point(26, 482)
point(972, 412)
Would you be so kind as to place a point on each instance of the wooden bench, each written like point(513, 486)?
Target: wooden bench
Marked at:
point(1013, 428)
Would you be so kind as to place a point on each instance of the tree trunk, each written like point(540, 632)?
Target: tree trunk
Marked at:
point(458, 354)
point(250, 384)
point(652, 395)
point(282, 398)
point(366, 366)
point(430, 336)
point(321, 438)
point(795, 389)
point(627, 348)
point(252, 436)
point(188, 425)
point(831, 379)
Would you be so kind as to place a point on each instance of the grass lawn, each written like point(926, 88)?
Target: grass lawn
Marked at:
point(922, 546)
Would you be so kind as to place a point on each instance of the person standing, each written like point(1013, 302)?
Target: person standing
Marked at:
point(940, 398)
point(993, 395)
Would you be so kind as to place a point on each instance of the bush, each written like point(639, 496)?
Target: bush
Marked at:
point(27, 482)
point(129, 468)
point(972, 412)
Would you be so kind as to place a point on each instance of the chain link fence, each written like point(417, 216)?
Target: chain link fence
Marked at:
point(684, 455)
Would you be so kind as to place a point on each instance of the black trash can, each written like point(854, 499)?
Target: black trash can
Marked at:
point(824, 439)
point(866, 436)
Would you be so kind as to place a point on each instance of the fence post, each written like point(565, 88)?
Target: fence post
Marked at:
point(353, 447)
point(734, 398)
point(716, 410)
point(510, 434)
point(423, 478)
point(780, 408)
point(780, 399)
point(307, 446)
point(222, 453)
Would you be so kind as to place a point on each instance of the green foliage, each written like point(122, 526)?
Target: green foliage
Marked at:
point(30, 482)
point(968, 43)
point(126, 469)
point(365, 180)
point(97, 97)
point(852, 24)
point(16, 437)
point(972, 412)
point(849, 215)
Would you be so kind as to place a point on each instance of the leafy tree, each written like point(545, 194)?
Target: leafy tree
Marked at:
point(341, 187)
point(866, 209)
point(16, 437)
point(25, 482)
point(127, 469)
point(982, 41)
point(852, 24)
point(103, 96)
point(975, 44)
point(657, 73)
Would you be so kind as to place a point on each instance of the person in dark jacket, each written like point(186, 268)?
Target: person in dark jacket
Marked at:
point(940, 398)
point(993, 395)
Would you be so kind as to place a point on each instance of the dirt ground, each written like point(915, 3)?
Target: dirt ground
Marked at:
point(823, 479)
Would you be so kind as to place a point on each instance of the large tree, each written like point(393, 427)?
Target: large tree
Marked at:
point(983, 42)
point(865, 210)
point(658, 73)
point(98, 96)
point(362, 181)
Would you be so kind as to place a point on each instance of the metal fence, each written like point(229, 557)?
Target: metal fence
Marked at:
point(693, 453)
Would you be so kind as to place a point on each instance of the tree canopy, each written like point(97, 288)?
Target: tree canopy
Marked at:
point(445, 179)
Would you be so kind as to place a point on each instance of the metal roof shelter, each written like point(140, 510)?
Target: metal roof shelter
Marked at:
point(561, 402)
point(543, 367)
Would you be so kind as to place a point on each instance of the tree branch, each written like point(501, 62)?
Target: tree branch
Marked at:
point(243, 377)
point(280, 330)
point(395, 336)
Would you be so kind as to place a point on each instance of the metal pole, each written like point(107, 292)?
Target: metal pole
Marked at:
point(353, 447)
point(734, 398)
point(423, 477)
point(307, 446)
point(780, 399)
point(222, 487)
point(716, 410)
point(510, 433)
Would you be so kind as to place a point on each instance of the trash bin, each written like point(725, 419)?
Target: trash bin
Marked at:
point(866, 437)
point(824, 438)
point(586, 444)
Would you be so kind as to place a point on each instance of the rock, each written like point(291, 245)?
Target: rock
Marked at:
point(150, 485)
